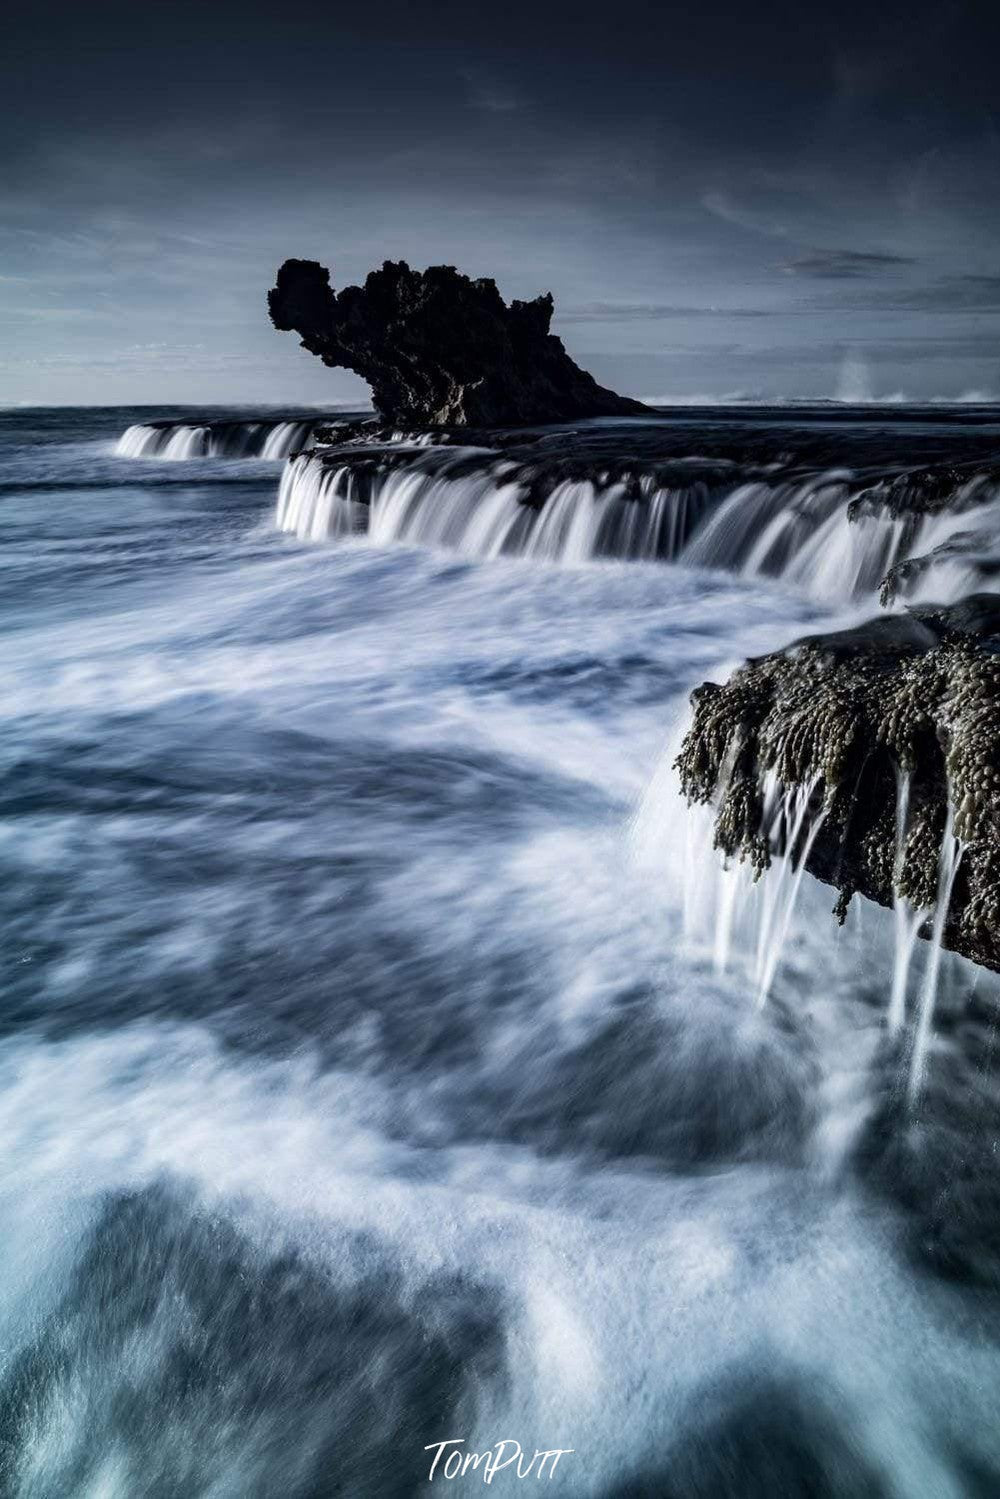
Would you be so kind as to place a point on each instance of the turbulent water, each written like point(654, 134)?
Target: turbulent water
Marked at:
point(385, 1060)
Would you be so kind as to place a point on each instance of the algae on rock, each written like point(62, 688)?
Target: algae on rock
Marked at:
point(914, 695)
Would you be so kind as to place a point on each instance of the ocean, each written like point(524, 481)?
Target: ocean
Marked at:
point(385, 1060)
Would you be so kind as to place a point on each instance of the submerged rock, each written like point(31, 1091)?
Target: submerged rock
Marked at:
point(899, 715)
point(439, 348)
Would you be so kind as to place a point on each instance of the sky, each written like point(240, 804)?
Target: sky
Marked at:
point(724, 198)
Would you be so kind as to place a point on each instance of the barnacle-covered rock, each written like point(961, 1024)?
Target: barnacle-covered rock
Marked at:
point(915, 696)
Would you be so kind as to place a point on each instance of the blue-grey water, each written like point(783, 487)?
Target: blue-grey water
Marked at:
point(359, 1086)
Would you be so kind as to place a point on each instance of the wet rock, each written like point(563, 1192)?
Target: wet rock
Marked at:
point(848, 715)
point(439, 348)
point(946, 486)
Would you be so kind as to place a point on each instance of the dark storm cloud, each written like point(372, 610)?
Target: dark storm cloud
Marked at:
point(675, 176)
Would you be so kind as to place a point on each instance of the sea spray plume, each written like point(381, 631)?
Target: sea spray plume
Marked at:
point(438, 348)
point(916, 694)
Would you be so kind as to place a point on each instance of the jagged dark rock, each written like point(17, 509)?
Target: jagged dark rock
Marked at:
point(438, 348)
point(915, 694)
point(916, 493)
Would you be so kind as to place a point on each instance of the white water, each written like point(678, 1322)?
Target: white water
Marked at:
point(179, 442)
point(356, 1077)
point(760, 928)
point(949, 859)
point(798, 531)
point(480, 514)
point(792, 828)
point(740, 924)
point(908, 919)
point(285, 438)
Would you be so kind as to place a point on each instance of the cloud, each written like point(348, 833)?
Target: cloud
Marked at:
point(967, 292)
point(963, 293)
point(843, 265)
point(627, 312)
point(756, 219)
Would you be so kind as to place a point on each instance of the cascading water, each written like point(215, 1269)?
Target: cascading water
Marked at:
point(907, 919)
point(730, 918)
point(752, 924)
point(808, 531)
point(949, 859)
point(179, 441)
point(483, 513)
point(802, 533)
point(171, 442)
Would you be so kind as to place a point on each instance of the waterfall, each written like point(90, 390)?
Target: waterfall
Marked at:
point(474, 515)
point(185, 442)
point(441, 503)
point(949, 859)
point(178, 441)
point(480, 502)
point(175, 442)
point(957, 551)
point(286, 438)
point(789, 829)
point(729, 918)
point(801, 532)
point(321, 508)
point(907, 919)
point(832, 531)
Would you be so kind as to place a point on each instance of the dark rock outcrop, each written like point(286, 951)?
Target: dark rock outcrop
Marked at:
point(438, 348)
point(920, 492)
point(915, 695)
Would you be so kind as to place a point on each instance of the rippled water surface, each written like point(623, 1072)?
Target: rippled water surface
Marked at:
point(365, 1078)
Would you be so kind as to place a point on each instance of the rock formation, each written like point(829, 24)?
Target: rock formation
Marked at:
point(440, 349)
point(910, 700)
